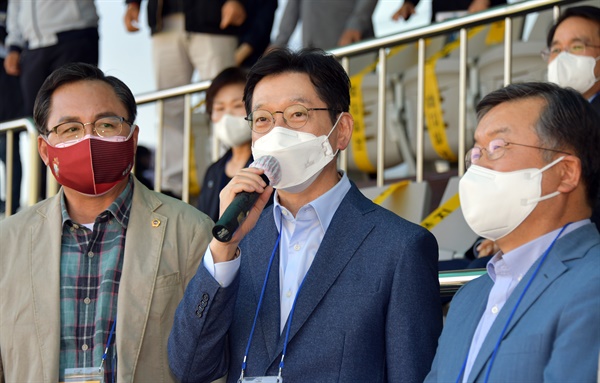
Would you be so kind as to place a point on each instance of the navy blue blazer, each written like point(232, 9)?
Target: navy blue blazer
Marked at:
point(369, 309)
point(555, 333)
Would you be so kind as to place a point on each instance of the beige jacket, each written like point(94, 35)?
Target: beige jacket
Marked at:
point(165, 242)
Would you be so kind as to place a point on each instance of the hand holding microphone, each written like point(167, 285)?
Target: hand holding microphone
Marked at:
point(237, 211)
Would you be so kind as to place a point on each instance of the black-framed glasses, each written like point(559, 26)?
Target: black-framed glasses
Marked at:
point(110, 126)
point(496, 149)
point(576, 47)
point(295, 116)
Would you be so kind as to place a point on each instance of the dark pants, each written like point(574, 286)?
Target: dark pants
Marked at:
point(37, 64)
point(11, 108)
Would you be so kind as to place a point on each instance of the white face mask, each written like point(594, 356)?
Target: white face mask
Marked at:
point(232, 130)
point(569, 70)
point(302, 156)
point(495, 203)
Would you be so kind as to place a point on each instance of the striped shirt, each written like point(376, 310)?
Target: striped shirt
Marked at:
point(90, 270)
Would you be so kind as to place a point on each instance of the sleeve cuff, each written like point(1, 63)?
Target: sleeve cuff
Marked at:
point(223, 272)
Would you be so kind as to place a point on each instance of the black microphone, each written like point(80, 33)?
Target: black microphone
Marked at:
point(237, 211)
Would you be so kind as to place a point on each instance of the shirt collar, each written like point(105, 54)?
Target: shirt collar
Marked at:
point(325, 205)
point(519, 260)
point(119, 208)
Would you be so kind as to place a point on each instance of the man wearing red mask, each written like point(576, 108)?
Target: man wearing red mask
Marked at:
point(91, 277)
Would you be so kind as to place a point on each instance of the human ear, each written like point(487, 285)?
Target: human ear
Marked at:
point(570, 174)
point(344, 130)
point(43, 149)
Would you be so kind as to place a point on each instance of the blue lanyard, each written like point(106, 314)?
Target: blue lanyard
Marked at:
point(110, 335)
point(512, 313)
point(260, 300)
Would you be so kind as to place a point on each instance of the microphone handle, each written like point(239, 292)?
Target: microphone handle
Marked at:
point(235, 214)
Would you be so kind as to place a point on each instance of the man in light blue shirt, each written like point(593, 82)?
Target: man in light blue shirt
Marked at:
point(531, 180)
point(324, 286)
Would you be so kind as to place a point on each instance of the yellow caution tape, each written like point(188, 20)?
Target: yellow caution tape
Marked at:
point(357, 109)
point(359, 137)
point(434, 115)
point(389, 191)
point(194, 185)
point(441, 212)
point(496, 33)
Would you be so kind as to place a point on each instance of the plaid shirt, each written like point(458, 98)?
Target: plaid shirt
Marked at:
point(90, 271)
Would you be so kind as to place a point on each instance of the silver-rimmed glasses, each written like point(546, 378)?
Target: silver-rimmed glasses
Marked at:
point(495, 150)
point(110, 126)
point(577, 47)
point(295, 116)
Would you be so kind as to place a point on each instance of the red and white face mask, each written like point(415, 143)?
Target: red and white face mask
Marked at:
point(93, 165)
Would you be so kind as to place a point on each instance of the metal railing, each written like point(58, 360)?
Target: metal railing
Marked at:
point(380, 46)
point(451, 281)
point(10, 128)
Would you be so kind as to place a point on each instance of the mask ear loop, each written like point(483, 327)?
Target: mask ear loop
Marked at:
point(331, 131)
point(547, 196)
point(335, 125)
point(551, 164)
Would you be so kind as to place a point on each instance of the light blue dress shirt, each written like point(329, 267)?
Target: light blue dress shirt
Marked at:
point(300, 240)
point(507, 270)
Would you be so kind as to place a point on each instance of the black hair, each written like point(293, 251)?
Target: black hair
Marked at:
point(585, 11)
point(228, 76)
point(567, 122)
point(74, 72)
point(327, 75)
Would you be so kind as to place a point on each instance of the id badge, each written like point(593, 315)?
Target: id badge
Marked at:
point(261, 379)
point(84, 375)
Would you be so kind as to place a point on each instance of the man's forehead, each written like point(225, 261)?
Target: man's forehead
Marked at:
point(284, 88)
point(511, 118)
point(576, 28)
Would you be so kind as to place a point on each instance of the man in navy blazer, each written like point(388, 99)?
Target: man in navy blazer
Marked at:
point(344, 289)
point(535, 315)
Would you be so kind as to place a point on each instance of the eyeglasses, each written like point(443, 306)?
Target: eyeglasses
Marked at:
point(104, 127)
point(295, 116)
point(577, 48)
point(495, 150)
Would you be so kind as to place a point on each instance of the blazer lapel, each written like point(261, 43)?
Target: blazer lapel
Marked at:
point(461, 340)
point(269, 315)
point(343, 237)
point(143, 245)
point(44, 258)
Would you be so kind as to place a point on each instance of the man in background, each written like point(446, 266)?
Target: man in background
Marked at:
point(42, 36)
point(444, 9)
point(11, 108)
point(187, 36)
point(327, 24)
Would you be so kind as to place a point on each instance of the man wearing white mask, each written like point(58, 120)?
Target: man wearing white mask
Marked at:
point(573, 56)
point(345, 290)
point(573, 52)
point(531, 179)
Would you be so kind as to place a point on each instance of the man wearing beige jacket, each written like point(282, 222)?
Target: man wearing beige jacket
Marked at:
point(90, 278)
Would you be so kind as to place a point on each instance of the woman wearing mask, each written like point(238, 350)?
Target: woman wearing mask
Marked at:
point(225, 107)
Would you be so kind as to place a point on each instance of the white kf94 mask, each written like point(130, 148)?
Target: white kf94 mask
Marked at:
point(302, 156)
point(495, 203)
